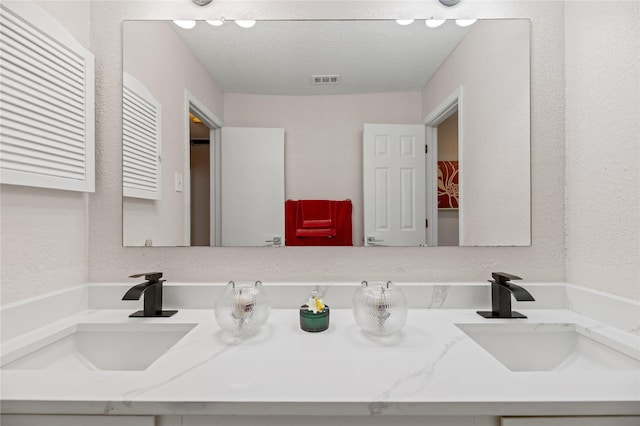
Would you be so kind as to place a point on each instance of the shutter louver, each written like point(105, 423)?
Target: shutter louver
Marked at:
point(46, 103)
point(141, 118)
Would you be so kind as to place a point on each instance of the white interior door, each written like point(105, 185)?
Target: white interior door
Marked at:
point(252, 194)
point(394, 184)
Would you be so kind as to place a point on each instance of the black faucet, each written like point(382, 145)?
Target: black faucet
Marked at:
point(152, 289)
point(501, 291)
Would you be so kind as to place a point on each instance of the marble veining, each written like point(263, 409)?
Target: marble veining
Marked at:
point(430, 368)
point(415, 381)
point(438, 296)
point(133, 394)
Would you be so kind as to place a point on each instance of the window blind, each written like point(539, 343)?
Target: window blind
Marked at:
point(46, 102)
point(141, 120)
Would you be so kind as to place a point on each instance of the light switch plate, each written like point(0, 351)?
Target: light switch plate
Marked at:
point(178, 180)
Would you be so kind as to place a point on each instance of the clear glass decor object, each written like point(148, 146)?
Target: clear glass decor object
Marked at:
point(242, 308)
point(380, 308)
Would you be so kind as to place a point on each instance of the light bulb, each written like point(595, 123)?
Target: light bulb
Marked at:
point(215, 22)
point(465, 22)
point(405, 21)
point(248, 23)
point(434, 23)
point(186, 24)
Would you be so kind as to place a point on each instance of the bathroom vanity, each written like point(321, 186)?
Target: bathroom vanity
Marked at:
point(77, 358)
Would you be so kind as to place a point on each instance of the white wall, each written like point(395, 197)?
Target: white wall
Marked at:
point(44, 233)
point(157, 57)
point(603, 145)
point(494, 153)
point(544, 260)
point(323, 152)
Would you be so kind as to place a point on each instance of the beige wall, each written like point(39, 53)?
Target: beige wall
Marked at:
point(602, 145)
point(200, 195)
point(323, 152)
point(448, 139)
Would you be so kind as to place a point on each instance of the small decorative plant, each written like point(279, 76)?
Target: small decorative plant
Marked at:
point(314, 315)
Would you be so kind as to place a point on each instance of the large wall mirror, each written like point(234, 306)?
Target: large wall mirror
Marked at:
point(349, 132)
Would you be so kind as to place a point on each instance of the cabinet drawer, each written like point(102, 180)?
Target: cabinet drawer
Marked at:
point(571, 421)
point(55, 420)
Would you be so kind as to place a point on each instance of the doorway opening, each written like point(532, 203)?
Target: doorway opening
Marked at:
point(448, 217)
point(202, 174)
point(444, 197)
point(199, 181)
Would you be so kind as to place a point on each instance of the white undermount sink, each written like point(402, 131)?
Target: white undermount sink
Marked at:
point(551, 347)
point(132, 347)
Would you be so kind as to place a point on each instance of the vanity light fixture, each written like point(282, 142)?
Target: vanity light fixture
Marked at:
point(405, 21)
point(434, 23)
point(245, 23)
point(465, 22)
point(186, 24)
point(216, 22)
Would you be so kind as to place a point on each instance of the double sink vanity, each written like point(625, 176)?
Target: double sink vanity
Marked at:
point(77, 356)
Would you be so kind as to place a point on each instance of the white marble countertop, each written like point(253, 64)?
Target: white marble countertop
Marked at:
point(429, 368)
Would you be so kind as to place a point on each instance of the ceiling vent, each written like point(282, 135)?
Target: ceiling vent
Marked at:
point(325, 79)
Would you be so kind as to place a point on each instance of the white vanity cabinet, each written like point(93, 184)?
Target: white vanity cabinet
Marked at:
point(571, 421)
point(396, 420)
point(259, 420)
point(63, 420)
point(328, 420)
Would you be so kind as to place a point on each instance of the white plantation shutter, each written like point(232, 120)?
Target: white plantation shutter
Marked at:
point(141, 120)
point(46, 102)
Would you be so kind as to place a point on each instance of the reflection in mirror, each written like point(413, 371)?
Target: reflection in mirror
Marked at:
point(200, 181)
point(326, 113)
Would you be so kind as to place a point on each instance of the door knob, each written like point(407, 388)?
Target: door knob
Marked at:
point(276, 242)
point(371, 240)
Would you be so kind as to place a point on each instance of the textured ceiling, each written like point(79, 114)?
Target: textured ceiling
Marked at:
point(279, 57)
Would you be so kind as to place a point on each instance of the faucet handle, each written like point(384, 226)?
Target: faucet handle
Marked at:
point(152, 277)
point(502, 277)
